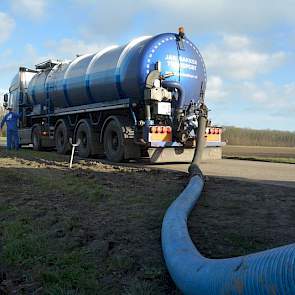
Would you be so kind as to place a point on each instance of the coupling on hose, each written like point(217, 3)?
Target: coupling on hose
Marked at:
point(200, 142)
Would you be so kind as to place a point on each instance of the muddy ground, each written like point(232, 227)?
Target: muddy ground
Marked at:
point(96, 229)
point(264, 153)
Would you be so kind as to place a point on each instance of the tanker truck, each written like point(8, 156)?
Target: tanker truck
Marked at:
point(138, 100)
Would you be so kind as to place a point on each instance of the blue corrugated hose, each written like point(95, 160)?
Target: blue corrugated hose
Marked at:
point(268, 272)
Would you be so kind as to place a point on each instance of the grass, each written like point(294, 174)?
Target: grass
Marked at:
point(260, 153)
point(243, 242)
point(27, 244)
point(69, 183)
point(137, 287)
point(120, 263)
point(81, 231)
point(96, 229)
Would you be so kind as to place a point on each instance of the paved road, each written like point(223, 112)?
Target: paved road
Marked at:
point(274, 173)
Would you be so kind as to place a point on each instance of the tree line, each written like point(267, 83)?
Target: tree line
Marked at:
point(252, 137)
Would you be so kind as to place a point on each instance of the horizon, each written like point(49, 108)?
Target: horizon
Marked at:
point(248, 48)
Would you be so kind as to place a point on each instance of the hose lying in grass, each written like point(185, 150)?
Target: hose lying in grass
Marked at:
point(268, 272)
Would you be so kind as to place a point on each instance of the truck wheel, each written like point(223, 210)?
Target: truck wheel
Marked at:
point(113, 142)
point(62, 139)
point(85, 136)
point(36, 139)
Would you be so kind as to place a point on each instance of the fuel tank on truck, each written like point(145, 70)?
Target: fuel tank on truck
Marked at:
point(120, 72)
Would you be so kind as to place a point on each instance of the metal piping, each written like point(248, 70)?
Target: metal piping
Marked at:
point(200, 144)
point(171, 85)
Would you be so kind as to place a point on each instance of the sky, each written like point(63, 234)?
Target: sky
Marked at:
point(248, 46)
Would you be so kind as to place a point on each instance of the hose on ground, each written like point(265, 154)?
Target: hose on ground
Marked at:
point(267, 272)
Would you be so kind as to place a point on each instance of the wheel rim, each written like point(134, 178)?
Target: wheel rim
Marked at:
point(35, 140)
point(60, 139)
point(114, 141)
point(83, 138)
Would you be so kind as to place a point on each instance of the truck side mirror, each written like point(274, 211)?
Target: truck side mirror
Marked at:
point(5, 97)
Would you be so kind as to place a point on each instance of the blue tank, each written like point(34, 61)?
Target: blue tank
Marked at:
point(120, 72)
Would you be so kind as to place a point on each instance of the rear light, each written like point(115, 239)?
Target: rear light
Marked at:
point(214, 131)
point(153, 129)
point(159, 129)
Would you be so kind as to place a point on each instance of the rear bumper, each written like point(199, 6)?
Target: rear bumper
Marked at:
point(181, 154)
point(163, 144)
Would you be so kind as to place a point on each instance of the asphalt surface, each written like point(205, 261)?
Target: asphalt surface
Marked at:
point(266, 172)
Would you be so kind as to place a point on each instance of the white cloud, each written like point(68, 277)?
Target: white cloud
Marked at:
point(215, 89)
point(9, 66)
point(7, 25)
point(30, 56)
point(256, 105)
point(235, 57)
point(198, 16)
point(236, 41)
point(69, 48)
point(33, 9)
point(272, 97)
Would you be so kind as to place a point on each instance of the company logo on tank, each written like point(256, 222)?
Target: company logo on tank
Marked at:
point(185, 63)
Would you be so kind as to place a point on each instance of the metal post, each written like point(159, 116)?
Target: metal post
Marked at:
point(74, 145)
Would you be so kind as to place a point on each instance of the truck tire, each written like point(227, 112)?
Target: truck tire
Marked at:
point(113, 142)
point(61, 136)
point(36, 139)
point(86, 138)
